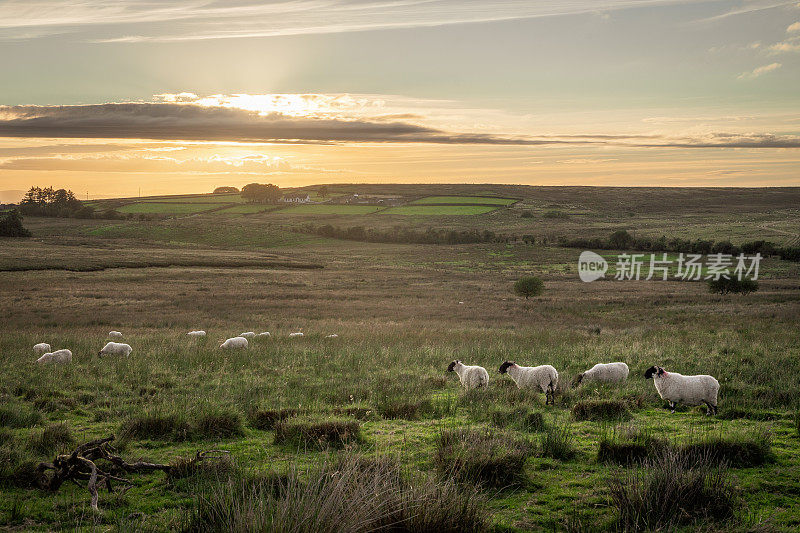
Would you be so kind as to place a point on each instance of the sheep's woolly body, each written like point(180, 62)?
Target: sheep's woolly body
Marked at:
point(197, 333)
point(297, 334)
point(58, 357)
point(234, 342)
point(471, 377)
point(116, 348)
point(606, 373)
point(264, 334)
point(115, 335)
point(41, 348)
point(544, 377)
point(248, 335)
point(690, 390)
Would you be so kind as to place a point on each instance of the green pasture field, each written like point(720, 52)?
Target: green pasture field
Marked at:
point(244, 209)
point(165, 208)
point(466, 200)
point(438, 210)
point(201, 199)
point(330, 209)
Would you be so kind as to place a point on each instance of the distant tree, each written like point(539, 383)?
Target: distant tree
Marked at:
point(11, 225)
point(529, 286)
point(526, 214)
point(620, 239)
point(261, 193)
point(323, 191)
point(48, 202)
point(224, 190)
point(732, 285)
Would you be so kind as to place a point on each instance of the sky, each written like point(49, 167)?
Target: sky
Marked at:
point(180, 96)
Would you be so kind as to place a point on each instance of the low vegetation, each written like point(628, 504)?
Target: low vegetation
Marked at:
point(529, 286)
point(482, 458)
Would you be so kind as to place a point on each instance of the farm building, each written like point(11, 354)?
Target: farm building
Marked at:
point(297, 198)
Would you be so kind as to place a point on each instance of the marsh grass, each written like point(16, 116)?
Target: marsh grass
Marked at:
point(266, 419)
point(19, 415)
point(156, 426)
point(601, 410)
point(631, 446)
point(671, 491)
point(521, 418)
point(52, 439)
point(305, 432)
point(483, 458)
point(557, 442)
point(353, 494)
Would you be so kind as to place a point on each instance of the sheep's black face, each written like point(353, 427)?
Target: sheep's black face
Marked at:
point(578, 379)
point(452, 366)
point(504, 366)
point(657, 370)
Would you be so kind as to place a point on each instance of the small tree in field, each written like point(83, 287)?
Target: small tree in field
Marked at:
point(620, 239)
point(732, 285)
point(11, 225)
point(529, 286)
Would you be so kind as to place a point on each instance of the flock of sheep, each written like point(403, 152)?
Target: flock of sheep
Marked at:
point(671, 386)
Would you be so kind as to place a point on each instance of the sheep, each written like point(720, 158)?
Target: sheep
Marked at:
point(234, 343)
point(264, 334)
point(59, 356)
point(115, 348)
point(297, 334)
point(544, 377)
point(197, 333)
point(248, 334)
point(605, 373)
point(115, 335)
point(41, 348)
point(690, 390)
point(332, 336)
point(471, 377)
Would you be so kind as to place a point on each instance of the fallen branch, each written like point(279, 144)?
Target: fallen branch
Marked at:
point(82, 465)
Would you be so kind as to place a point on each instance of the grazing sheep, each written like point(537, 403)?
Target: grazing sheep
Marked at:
point(690, 390)
point(543, 377)
point(332, 336)
point(297, 334)
point(58, 357)
point(115, 335)
point(471, 377)
point(605, 373)
point(264, 334)
point(248, 334)
point(197, 333)
point(116, 348)
point(234, 343)
point(41, 348)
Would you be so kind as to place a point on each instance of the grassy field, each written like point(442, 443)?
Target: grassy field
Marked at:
point(297, 409)
point(466, 200)
point(330, 209)
point(165, 208)
point(438, 210)
point(244, 209)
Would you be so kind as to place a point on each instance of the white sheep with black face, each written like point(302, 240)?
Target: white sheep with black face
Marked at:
point(264, 335)
point(41, 348)
point(689, 390)
point(544, 378)
point(604, 373)
point(471, 377)
point(295, 334)
point(197, 333)
point(234, 343)
point(248, 334)
point(116, 348)
point(58, 357)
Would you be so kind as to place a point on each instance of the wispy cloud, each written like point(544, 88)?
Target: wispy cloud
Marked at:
point(759, 71)
point(131, 21)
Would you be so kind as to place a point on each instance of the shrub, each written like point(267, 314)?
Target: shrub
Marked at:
point(11, 225)
point(556, 442)
point(266, 419)
point(599, 410)
point(354, 495)
point(15, 415)
point(54, 438)
point(157, 426)
point(529, 286)
point(526, 214)
point(620, 240)
point(318, 434)
point(732, 285)
point(482, 458)
point(669, 492)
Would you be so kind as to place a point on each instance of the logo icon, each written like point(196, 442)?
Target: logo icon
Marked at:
point(591, 266)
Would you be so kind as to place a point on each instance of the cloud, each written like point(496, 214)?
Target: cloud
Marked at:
point(760, 71)
point(132, 21)
point(163, 121)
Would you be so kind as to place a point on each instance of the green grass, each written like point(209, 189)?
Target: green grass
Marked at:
point(202, 199)
point(244, 209)
point(466, 200)
point(440, 210)
point(165, 208)
point(330, 209)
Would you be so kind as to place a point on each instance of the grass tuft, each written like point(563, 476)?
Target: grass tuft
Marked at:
point(222, 423)
point(482, 458)
point(54, 438)
point(17, 415)
point(319, 434)
point(265, 419)
point(156, 426)
point(601, 410)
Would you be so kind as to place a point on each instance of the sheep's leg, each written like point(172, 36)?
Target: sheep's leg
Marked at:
point(671, 407)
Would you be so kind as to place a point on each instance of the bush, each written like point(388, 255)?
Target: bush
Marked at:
point(529, 286)
point(556, 442)
point(600, 410)
point(670, 492)
point(482, 458)
point(526, 214)
point(732, 285)
point(354, 495)
point(54, 438)
point(319, 434)
point(620, 240)
point(11, 225)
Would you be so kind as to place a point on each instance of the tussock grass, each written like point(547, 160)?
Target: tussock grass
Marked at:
point(483, 458)
point(19, 415)
point(403, 408)
point(520, 417)
point(218, 423)
point(265, 419)
point(156, 426)
point(303, 432)
point(557, 442)
point(631, 447)
point(671, 491)
point(353, 495)
point(601, 410)
point(52, 439)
